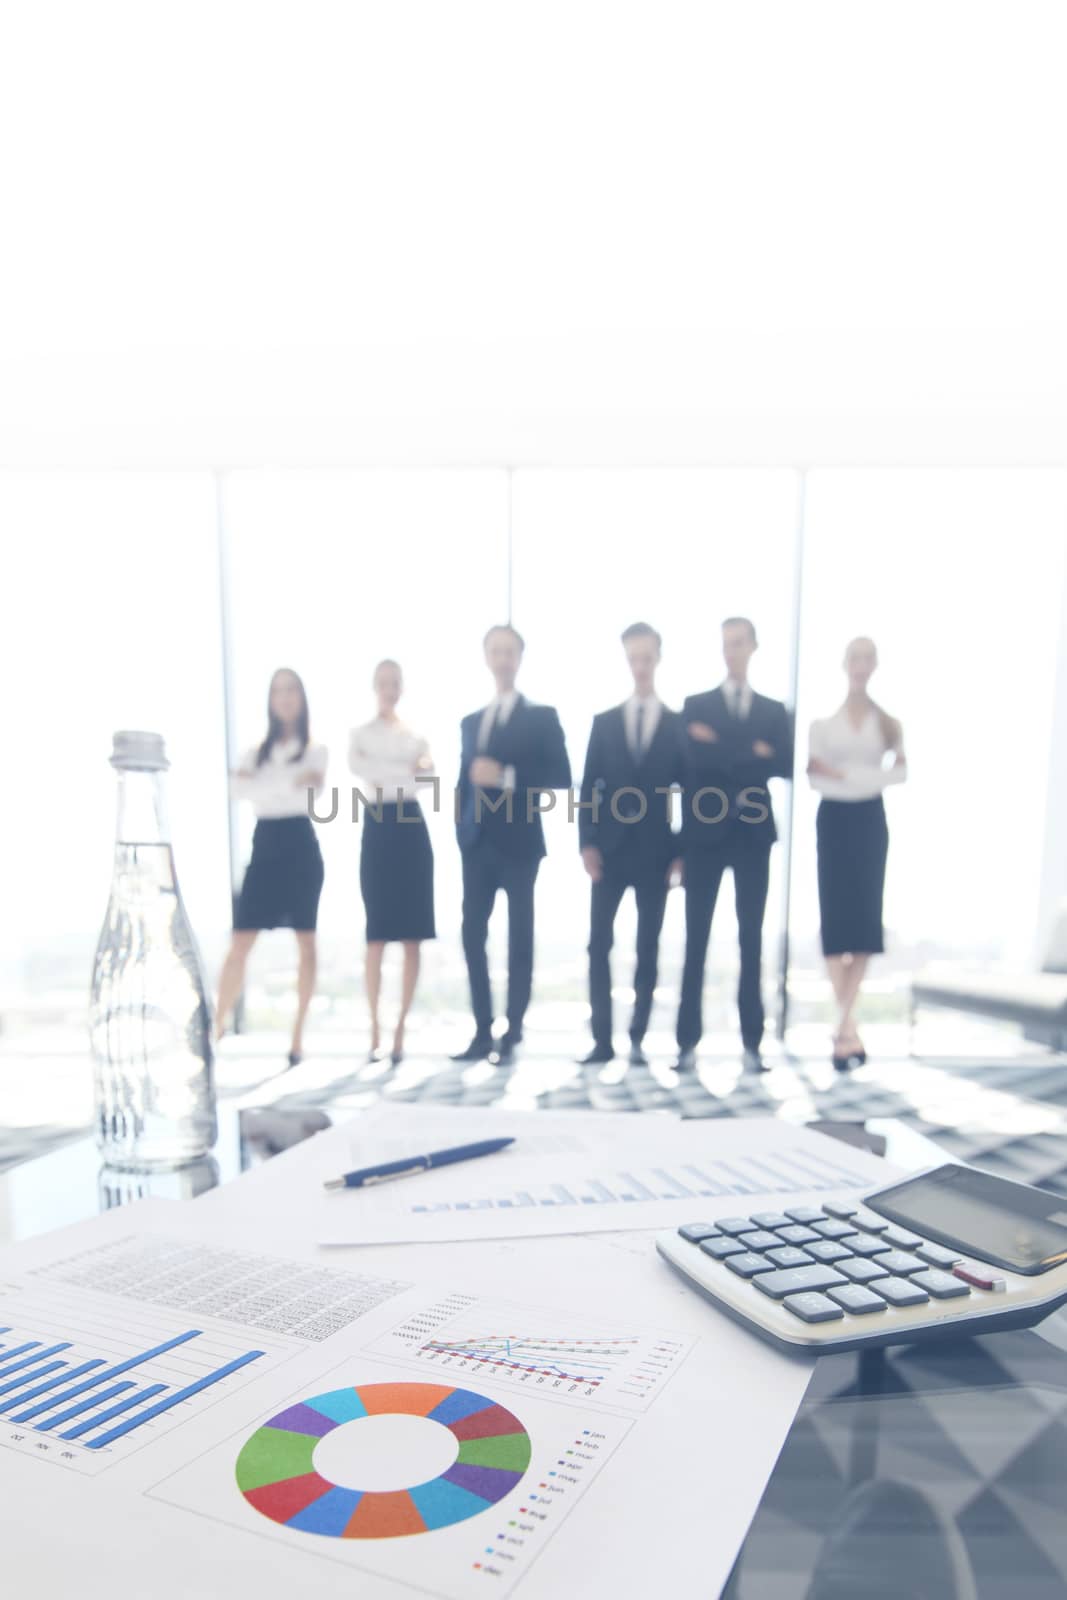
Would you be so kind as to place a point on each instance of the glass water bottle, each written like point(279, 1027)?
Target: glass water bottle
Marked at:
point(149, 1015)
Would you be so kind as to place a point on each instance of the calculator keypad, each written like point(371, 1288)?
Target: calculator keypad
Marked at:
point(937, 1256)
point(900, 1262)
point(861, 1270)
point(902, 1292)
point(834, 1228)
point(794, 1279)
point(695, 1231)
point(760, 1240)
point(900, 1239)
point(813, 1307)
point(840, 1260)
point(747, 1264)
point(942, 1285)
point(790, 1255)
point(827, 1250)
point(855, 1298)
point(863, 1244)
point(719, 1247)
point(797, 1233)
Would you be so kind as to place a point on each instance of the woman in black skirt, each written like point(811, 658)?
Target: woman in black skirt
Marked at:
point(854, 756)
point(284, 878)
point(396, 856)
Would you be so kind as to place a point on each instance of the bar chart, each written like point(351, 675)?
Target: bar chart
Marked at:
point(780, 1172)
point(83, 1389)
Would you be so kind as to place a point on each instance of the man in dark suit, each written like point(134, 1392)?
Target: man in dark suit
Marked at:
point(735, 742)
point(512, 751)
point(625, 836)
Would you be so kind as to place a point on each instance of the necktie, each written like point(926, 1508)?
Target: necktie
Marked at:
point(739, 701)
point(639, 730)
point(491, 723)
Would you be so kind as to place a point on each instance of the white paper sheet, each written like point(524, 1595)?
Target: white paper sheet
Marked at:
point(642, 1172)
point(686, 1411)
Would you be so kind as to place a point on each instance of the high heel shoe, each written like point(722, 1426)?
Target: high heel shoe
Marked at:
point(295, 1058)
point(845, 1060)
point(396, 1057)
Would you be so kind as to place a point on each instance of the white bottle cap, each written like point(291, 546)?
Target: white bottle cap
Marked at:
point(134, 751)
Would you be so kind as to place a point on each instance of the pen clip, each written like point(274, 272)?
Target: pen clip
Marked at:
point(387, 1177)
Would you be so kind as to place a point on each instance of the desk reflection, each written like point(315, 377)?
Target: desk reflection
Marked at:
point(920, 1472)
point(262, 1132)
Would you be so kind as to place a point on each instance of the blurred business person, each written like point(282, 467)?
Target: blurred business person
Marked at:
point(396, 856)
point(735, 741)
point(283, 882)
point(853, 756)
point(634, 756)
point(511, 750)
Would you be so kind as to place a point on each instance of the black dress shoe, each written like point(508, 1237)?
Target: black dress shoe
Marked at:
point(504, 1050)
point(754, 1062)
point(687, 1060)
point(599, 1056)
point(637, 1054)
point(477, 1050)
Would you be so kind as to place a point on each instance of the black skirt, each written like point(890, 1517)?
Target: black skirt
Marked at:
point(284, 878)
point(396, 873)
point(853, 841)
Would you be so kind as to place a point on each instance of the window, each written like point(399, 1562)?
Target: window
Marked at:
point(594, 551)
point(111, 621)
point(329, 573)
point(958, 577)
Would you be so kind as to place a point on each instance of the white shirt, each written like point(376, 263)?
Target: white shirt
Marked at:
point(496, 714)
point(497, 711)
point(278, 788)
point(738, 697)
point(650, 721)
point(858, 753)
point(388, 756)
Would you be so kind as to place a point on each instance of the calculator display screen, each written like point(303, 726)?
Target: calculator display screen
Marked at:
point(1006, 1223)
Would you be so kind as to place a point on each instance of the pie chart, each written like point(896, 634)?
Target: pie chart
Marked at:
point(276, 1474)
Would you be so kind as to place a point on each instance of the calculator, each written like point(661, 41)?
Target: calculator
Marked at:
point(951, 1252)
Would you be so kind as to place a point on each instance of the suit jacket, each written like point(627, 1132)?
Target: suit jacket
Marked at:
point(730, 764)
point(532, 742)
point(610, 766)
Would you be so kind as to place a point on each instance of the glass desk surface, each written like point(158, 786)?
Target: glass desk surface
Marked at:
point(919, 1473)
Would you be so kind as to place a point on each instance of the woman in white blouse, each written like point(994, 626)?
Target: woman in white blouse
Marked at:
point(396, 856)
point(283, 882)
point(853, 756)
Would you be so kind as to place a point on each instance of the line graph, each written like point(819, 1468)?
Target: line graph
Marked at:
point(578, 1360)
point(468, 1339)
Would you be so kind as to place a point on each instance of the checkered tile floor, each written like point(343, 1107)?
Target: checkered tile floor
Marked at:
point(1006, 1114)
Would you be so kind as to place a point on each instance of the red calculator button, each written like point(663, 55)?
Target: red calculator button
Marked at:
point(980, 1277)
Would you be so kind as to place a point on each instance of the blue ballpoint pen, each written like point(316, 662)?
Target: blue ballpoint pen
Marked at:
point(404, 1169)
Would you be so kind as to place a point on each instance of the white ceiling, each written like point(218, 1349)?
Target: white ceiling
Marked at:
point(319, 232)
